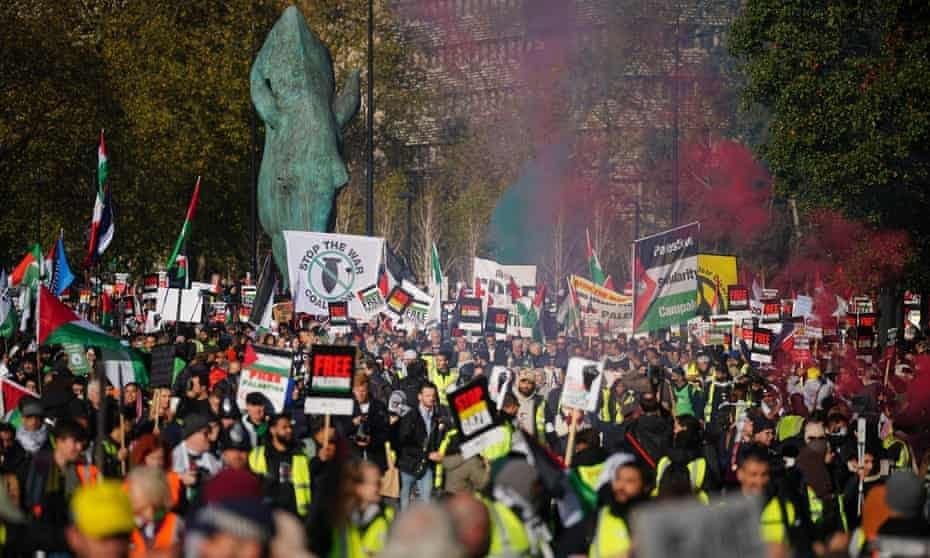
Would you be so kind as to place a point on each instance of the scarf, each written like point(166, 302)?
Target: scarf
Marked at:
point(32, 441)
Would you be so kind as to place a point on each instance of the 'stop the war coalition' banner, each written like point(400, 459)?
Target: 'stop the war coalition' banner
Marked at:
point(328, 268)
point(665, 278)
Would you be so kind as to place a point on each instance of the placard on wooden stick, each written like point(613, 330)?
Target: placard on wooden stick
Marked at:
point(331, 371)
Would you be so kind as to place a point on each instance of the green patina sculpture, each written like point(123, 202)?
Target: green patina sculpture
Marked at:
point(293, 90)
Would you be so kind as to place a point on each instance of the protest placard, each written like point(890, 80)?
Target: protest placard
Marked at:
point(161, 371)
point(495, 278)
point(469, 314)
point(496, 323)
point(247, 300)
point(269, 374)
point(602, 308)
point(331, 370)
point(803, 307)
point(771, 311)
point(219, 311)
point(762, 345)
point(338, 317)
point(665, 278)
point(372, 301)
point(801, 351)
point(190, 310)
point(716, 273)
point(77, 358)
point(497, 385)
point(397, 301)
point(328, 268)
point(737, 298)
point(474, 414)
point(582, 384)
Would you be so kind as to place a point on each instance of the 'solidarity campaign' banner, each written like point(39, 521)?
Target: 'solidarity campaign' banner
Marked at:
point(665, 278)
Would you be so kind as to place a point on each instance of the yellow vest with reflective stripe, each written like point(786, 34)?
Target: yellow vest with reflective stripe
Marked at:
point(773, 523)
point(697, 470)
point(904, 456)
point(816, 506)
point(375, 533)
point(501, 448)
point(443, 382)
point(300, 476)
point(788, 426)
point(508, 537)
point(611, 538)
point(443, 446)
point(346, 543)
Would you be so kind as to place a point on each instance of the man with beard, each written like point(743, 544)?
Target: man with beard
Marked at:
point(529, 416)
point(629, 487)
point(284, 469)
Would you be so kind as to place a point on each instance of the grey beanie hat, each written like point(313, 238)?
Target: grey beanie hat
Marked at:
point(905, 493)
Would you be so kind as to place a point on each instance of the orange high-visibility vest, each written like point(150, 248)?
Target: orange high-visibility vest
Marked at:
point(165, 537)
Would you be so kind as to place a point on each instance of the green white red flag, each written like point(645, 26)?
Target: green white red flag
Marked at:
point(594, 265)
point(185, 232)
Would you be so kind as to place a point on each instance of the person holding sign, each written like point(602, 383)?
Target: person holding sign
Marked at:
point(284, 469)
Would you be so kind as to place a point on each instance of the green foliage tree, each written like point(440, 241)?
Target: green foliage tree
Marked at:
point(848, 89)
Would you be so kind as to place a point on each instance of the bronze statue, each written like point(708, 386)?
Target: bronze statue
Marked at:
point(293, 90)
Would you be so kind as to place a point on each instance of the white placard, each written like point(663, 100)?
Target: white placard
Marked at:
point(339, 406)
point(325, 268)
point(580, 392)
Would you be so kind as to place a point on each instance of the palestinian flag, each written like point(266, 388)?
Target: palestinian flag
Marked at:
point(594, 265)
point(185, 232)
point(59, 324)
point(27, 271)
point(12, 392)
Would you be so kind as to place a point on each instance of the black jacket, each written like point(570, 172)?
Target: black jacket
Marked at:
point(377, 426)
point(413, 446)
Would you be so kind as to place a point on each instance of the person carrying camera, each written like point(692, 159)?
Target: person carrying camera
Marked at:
point(419, 434)
point(192, 459)
point(370, 423)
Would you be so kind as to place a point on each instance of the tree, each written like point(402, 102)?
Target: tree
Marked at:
point(849, 96)
point(49, 121)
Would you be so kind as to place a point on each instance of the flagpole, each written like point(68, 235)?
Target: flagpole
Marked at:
point(41, 378)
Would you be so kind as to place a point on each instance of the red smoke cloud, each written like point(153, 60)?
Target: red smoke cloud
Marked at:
point(727, 190)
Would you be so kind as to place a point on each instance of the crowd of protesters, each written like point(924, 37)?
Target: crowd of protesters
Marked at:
point(165, 470)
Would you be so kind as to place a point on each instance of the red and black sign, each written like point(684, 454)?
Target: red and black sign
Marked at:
point(497, 321)
point(331, 370)
point(737, 298)
point(469, 314)
point(869, 320)
point(762, 341)
point(338, 313)
point(771, 311)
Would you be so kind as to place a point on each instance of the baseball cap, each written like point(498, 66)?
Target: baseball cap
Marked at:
point(102, 510)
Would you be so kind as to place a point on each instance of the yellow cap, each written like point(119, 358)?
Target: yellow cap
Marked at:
point(102, 510)
point(813, 373)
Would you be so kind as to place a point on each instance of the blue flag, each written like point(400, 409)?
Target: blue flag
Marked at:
point(61, 272)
